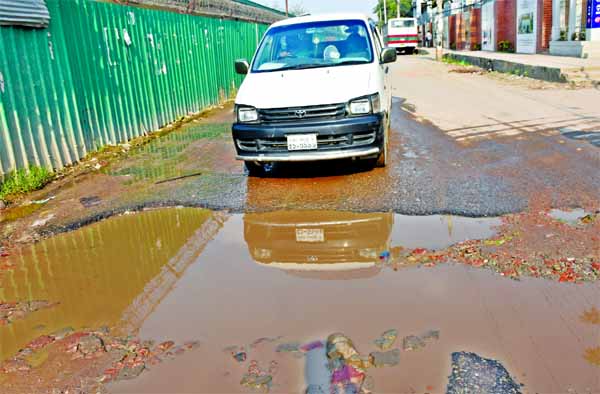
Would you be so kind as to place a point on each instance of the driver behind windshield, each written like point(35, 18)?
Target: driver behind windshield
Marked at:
point(313, 45)
point(295, 47)
point(355, 44)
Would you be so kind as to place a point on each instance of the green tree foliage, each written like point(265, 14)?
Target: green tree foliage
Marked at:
point(296, 7)
point(392, 8)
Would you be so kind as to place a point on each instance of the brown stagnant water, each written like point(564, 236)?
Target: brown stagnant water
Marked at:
point(190, 274)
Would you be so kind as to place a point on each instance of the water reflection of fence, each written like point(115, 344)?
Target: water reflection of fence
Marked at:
point(157, 289)
point(103, 272)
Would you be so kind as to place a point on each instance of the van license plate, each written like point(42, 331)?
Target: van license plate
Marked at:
point(302, 142)
point(310, 235)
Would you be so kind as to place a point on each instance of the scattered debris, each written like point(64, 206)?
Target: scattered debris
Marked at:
point(592, 356)
point(385, 359)
point(472, 373)
point(288, 347)
point(42, 221)
point(590, 218)
point(311, 346)
point(240, 357)
point(387, 339)
point(264, 340)
point(40, 342)
point(413, 342)
point(11, 311)
point(89, 345)
point(348, 367)
point(258, 379)
point(62, 333)
point(523, 247)
point(44, 201)
point(178, 178)
point(91, 201)
point(431, 335)
point(592, 316)
point(15, 365)
point(126, 358)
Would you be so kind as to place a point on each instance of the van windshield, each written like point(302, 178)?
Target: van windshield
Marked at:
point(402, 23)
point(314, 44)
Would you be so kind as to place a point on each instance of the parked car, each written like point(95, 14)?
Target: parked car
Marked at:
point(318, 88)
point(402, 34)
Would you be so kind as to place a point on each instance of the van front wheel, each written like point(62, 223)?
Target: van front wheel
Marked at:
point(384, 155)
point(383, 158)
point(253, 168)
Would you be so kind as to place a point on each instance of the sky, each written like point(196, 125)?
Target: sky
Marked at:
point(318, 6)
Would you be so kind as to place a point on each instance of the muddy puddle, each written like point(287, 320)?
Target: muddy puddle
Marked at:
point(568, 216)
point(261, 293)
point(171, 156)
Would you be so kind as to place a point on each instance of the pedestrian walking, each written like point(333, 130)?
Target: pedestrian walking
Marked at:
point(428, 39)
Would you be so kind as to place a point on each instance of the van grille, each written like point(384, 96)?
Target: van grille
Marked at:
point(324, 142)
point(315, 112)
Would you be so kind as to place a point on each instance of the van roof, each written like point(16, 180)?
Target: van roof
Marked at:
point(322, 18)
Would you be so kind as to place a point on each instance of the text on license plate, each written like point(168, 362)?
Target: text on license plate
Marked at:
point(310, 235)
point(302, 142)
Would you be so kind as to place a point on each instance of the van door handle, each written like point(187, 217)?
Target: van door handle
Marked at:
point(387, 69)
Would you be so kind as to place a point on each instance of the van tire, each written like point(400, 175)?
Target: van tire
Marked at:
point(383, 158)
point(254, 169)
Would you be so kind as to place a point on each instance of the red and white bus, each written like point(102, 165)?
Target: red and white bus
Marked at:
point(402, 34)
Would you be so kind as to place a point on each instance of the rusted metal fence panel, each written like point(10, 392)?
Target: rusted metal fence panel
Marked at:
point(239, 9)
point(31, 13)
point(105, 73)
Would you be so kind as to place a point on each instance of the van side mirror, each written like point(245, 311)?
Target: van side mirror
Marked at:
point(242, 66)
point(388, 55)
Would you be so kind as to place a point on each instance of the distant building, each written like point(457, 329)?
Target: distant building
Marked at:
point(557, 27)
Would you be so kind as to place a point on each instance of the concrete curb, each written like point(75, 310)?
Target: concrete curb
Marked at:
point(550, 74)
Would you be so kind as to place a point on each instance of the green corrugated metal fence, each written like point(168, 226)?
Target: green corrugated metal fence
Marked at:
point(103, 74)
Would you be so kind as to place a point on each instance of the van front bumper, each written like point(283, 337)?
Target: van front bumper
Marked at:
point(360, 136)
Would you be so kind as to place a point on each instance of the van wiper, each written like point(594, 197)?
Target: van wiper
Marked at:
point(349, 62)
point(301, 67)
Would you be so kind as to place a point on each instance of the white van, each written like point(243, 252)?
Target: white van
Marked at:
point(318, 88)
point(402, 34)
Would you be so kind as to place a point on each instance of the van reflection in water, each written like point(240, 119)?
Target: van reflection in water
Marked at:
point(319, 244)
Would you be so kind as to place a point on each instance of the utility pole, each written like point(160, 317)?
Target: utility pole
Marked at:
point(287, 8)
point(385, 12)
point(439, 31)
point(398, 9)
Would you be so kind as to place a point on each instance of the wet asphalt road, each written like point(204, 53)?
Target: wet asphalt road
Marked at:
point(479, 161)
point(502, 166)
point(430, 173)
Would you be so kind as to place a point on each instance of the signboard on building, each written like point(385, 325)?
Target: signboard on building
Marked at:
point(593, 14)
point(488, 39)
point(527, 11)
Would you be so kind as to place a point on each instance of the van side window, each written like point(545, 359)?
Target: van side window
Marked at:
point(378, 45)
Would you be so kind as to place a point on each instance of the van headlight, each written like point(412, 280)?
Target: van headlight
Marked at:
point(368, 253)
point(260, 253)
point(247, 114)
point(365, 105)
